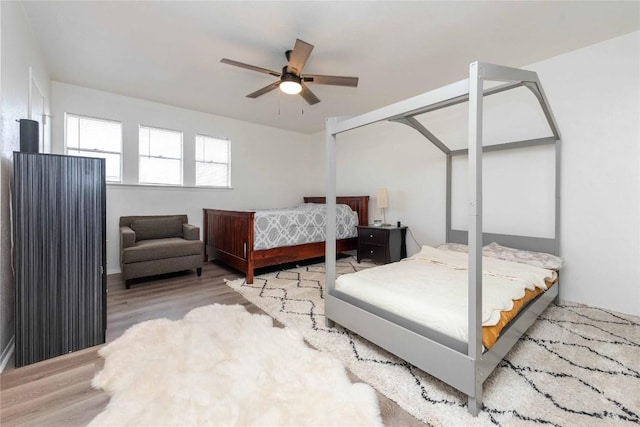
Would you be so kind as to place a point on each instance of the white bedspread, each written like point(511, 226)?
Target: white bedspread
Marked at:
point(431, 288)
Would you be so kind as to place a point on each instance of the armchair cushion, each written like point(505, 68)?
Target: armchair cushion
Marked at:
point(156, 228)
point(154, 249)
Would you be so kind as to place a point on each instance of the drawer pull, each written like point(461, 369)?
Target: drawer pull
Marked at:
point(371, 236)
point(371, 251)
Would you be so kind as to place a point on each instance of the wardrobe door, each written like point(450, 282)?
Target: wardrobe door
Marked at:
point(60, 254)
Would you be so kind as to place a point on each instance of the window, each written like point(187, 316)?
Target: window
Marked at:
point(213, 166)
point(160, 156)
point(91, 137)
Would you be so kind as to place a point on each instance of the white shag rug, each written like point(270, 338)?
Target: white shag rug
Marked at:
point(576, 366)
point(222, 366)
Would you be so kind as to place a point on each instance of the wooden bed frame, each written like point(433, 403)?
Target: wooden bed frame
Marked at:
point(228, 237)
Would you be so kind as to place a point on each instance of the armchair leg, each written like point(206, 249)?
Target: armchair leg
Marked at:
point(127, 283)
point(199, 271)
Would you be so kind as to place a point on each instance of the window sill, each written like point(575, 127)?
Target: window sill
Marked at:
point(164, 187)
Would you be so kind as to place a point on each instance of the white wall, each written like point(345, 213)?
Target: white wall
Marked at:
point(392, 156)
point(269, 166)
point(19, 51)
point(594, 94)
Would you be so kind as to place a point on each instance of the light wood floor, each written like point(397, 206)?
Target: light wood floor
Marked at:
point(57, 392)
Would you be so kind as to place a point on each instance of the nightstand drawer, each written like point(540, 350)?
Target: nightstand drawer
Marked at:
point(372, 252)
point(373, 236)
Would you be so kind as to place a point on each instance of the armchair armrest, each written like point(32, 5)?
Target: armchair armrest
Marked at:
point(127, 238)
point(190, 232)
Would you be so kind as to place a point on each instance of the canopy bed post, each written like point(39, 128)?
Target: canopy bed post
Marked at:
point(557, 224)
point(536, 88)
point(330, 257)
point(475, 229)
point(544, 104)
point(556, 300)
point(448, 198)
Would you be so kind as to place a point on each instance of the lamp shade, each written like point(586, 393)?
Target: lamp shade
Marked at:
point(383, 198)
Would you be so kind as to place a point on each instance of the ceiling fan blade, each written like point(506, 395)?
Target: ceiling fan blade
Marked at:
point(264, 90)
point(298, 57)
point(309, 96)
point(330, 80)
point(250, 67)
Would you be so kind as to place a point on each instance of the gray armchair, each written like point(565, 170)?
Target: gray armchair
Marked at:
point(151, 245)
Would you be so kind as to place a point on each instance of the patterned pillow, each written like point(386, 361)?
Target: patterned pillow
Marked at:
point(157, 228)
point(456, 247)
point(538, 259)
point(494, 250)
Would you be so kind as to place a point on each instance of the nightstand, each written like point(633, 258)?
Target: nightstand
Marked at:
point(382, 244)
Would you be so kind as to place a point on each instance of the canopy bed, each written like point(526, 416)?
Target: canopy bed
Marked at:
point(246, 240)
point(463, 363)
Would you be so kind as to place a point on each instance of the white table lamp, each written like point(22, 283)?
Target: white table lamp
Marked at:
point(383, 202)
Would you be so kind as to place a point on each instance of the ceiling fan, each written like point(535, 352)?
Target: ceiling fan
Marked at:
point(292, 81)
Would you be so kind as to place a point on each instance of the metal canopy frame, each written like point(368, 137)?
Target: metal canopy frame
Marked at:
point(466, 372)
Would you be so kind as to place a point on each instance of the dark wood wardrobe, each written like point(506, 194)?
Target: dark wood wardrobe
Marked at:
point(59, 237)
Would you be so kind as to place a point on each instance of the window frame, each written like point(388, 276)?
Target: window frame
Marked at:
point(181, 158)
point(196, 161)
point(95, 150)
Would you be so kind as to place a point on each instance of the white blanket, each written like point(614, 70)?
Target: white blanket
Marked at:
point(431, 288)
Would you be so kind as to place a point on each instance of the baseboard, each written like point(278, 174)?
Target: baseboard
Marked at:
point(7, 353)
point(114, 279)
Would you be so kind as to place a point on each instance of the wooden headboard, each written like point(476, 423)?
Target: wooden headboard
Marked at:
point(360, 204)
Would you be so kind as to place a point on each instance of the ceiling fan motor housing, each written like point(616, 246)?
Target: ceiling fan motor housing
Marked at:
point(289, 77)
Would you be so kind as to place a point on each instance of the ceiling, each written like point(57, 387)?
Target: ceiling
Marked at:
point(170, 51)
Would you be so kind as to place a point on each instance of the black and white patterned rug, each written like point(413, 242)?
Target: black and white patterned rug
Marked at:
point(577, 365)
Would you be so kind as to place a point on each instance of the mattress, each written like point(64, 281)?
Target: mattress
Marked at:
point(305, 223)
point(430, 289)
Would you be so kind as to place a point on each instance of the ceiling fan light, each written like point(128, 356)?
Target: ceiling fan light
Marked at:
point(291, 88)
